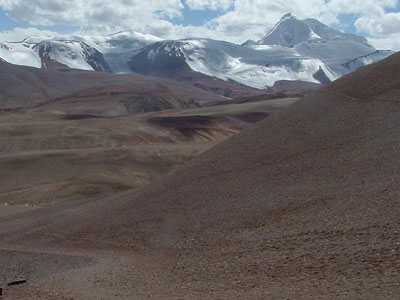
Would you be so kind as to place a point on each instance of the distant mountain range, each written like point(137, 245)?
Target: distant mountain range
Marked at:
point(294, 50)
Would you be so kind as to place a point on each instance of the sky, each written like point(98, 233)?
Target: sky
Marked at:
point(231, 20)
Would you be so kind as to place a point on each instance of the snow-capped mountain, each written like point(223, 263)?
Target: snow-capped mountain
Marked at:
point(298, 50)
point(257, 68)
point(294, 49)
point(51, 54)
point(290, 31)
point(92, 53)
point(20, 54)
point(118, 48)
point(72, 54)
point(311, 38)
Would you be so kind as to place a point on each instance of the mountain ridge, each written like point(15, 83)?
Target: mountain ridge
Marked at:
point(292, 50)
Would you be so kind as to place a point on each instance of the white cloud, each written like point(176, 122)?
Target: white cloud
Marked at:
point(209, 4)
point(373, 18)
point(241, 20)
point(391, 42)
point(365, 7)
point(381, 25)
point(89, 12)
point(19, 34)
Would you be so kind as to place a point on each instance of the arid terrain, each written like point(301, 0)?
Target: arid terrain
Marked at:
point(302, 205)
point(48, 158)
point(104, 133)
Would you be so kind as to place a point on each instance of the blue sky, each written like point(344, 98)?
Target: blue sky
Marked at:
point(197, 17)
point(231, 20)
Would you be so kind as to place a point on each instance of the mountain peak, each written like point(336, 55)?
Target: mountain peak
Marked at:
point(288, 16)
point(290, 31)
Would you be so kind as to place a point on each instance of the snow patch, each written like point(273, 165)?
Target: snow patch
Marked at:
point(20, 54)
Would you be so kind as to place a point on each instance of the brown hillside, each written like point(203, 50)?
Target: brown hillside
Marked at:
point(26, 86)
